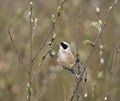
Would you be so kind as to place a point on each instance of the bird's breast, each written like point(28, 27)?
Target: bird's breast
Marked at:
point(66, 59)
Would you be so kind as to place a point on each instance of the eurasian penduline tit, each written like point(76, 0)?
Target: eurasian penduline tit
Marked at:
point(65, 57)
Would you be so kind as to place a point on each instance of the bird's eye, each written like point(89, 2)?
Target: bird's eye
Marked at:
point(64, 45)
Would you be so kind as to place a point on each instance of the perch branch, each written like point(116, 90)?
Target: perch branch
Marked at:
point(37, 70)
point(91, 50)
point(50, 32)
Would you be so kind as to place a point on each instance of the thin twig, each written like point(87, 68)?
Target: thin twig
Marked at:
point(49, 52)
point(91, 50)
point(49, 33)
point(44, 41)
point(17, 51)
point(31, 49)
point(77, 54)
point(117, 51)
point(77, 41)
point(37, 70)
point(31, 36)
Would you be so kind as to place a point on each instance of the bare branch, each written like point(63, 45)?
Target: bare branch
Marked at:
point(49, 52)
point(91, 50)
point(77, 41)
point(31, 51)
point(17, 51)
point(50, 31)
point(31, 34)
point(117, 51)
point(37, 70)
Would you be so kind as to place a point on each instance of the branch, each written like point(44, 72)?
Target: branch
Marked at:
point(37, 70)
point(31, 34)
point(17, 51)
point(117, 51)
point(50, 31)
point(77, 41)
point(29, 84)
point(49, 52)
point(91, 50)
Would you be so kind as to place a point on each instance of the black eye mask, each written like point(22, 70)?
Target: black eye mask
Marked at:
point(64, 45)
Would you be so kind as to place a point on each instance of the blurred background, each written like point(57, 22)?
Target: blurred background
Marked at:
point(53, 82)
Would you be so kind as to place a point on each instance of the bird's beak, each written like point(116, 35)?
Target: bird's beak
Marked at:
point(60, 43)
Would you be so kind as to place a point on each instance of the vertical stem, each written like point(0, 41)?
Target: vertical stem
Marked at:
point(117, 51)
point(29, 88)
point(91, 49)
point(31, 34)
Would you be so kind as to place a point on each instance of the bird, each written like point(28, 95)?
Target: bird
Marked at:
point(65, 57)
